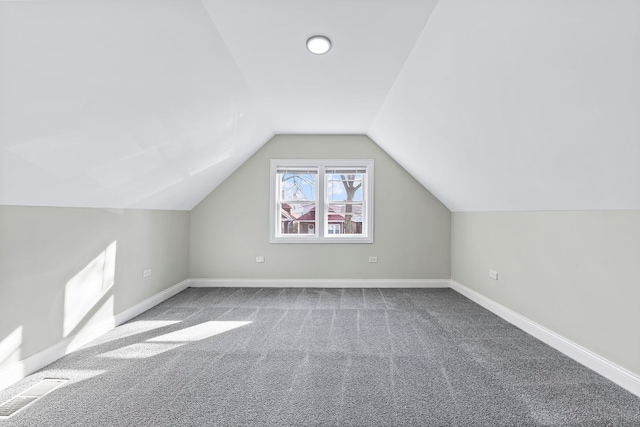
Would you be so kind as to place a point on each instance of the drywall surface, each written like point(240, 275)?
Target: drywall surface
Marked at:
point(521, 106)
point(63, 270)
point(230, 227)
point(575, 273)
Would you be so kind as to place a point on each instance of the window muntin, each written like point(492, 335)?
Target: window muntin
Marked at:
point(340, 190)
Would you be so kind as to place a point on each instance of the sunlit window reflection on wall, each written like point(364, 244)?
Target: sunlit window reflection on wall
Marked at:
point(85, 290)
point(11, 347)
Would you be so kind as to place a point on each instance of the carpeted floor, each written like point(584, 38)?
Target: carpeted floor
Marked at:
point(302, 357)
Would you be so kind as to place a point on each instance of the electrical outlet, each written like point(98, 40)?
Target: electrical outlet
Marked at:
point(259, 259)
point(493, 274)
point(146, 273)
point(373, 259)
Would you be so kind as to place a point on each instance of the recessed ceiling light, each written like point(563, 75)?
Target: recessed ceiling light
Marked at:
point(318, 45)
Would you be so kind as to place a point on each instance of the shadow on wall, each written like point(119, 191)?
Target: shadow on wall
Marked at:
point(11, 346)
point(65, 273)
point(58, 274)
point(89, 292)
point(88, 295)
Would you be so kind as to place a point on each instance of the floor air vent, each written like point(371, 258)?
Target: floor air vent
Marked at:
point(29, 396)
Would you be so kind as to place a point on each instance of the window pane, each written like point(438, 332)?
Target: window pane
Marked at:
point(333, 229)
point(344, 187)
point(345, 218)
point(297, 218)
point(297, 186)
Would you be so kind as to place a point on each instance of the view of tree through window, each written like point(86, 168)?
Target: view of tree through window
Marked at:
point(345, 186)
point(298, 201)
point(322, 200)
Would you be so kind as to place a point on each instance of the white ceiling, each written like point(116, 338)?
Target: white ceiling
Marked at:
point(492, 105)
point(340, 92)
point(521, 105)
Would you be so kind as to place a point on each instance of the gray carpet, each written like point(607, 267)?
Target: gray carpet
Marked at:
point(357, 357)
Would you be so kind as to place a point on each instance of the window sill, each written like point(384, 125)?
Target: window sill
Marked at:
point(335, 240)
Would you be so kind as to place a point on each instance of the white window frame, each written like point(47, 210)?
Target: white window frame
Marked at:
point(275, 236)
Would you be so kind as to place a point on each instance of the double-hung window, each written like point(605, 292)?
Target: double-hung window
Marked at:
point(321, 201)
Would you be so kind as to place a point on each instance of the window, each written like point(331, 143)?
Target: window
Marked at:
point(334, 229)
point(321, 201)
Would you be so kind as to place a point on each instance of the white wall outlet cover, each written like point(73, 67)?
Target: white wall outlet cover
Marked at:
point(259, 259)
point(373, 259)
point(146, 273)
point(493, 274)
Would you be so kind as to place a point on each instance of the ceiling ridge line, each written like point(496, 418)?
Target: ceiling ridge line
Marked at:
point(401, 70)
point(226, 46)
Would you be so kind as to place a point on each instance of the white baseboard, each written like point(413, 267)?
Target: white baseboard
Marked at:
point(604, 367)
point(20, 369)
point(151, 302)
point(319, 283)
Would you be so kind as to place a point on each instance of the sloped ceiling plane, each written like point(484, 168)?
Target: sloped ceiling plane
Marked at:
point(492, 105)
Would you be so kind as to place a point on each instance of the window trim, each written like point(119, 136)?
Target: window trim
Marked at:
point(322, 202)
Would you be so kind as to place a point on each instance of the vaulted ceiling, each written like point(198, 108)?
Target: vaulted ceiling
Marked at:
point(491, 105)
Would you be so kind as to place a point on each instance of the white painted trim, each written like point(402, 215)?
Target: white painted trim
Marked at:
point(319, 283)
point(20, 369)
point(151, 302)
point(591, 360)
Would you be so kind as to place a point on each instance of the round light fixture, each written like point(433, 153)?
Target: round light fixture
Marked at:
point(318, 45)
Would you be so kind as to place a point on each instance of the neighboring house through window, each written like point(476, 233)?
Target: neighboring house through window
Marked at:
point(321, 201)
point(334, 228)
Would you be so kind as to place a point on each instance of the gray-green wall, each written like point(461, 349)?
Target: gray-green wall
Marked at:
point(575, 273)
point(93, 258)
point(230, 227)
